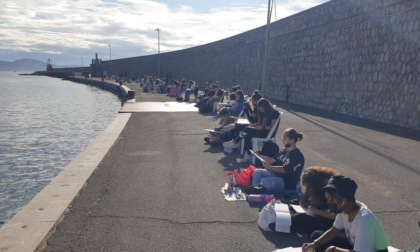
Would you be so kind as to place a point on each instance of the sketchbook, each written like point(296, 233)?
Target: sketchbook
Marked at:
point(257, 155)
point(283, 218)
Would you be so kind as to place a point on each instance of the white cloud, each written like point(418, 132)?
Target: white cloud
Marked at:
point(75, 29)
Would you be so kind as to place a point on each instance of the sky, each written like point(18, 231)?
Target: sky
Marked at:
point(70, 32)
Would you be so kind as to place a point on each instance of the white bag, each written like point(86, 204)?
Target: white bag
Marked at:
point(275, 212)
point(267, 216)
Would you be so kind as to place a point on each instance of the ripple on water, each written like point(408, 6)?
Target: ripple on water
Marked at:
point(45, 123)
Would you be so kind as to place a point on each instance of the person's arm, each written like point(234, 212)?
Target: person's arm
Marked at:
point(323, 213)
point(324, 238)
point(277, 169)
point(269, 160)
point(271, 125)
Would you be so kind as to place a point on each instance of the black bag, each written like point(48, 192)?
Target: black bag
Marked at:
point(204, 108)
point(270, 149)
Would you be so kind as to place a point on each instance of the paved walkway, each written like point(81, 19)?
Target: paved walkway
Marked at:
point(158, 188)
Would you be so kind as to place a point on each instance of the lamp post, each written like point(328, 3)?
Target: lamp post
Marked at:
point(109, 60)
point(267, 37)
point(158, 30)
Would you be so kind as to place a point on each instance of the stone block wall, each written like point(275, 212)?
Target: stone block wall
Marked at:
point(355, 57)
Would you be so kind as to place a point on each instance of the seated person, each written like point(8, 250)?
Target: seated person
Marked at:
point(190, 89)
point(208, 93)
point(250, 108)
point(317, 216)
point(221, 133)
point(282, 172)
point(267, 117)
point(238, 104)
point(363, 230)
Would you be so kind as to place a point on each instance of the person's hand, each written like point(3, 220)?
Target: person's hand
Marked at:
point(258, 127)
point(308, 247)
point(312, 210)
point(331, 249)
point(266, 165)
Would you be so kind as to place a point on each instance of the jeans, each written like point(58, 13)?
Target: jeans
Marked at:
point(269, 180)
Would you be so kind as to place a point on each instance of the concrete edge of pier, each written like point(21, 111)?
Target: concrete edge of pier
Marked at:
point(33, 224)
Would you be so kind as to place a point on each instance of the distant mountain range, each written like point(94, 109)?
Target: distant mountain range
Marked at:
point(23, 65)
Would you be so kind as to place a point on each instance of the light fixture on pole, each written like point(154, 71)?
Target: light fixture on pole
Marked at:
point(109, 60)
point(267, 37)
point(158, 30)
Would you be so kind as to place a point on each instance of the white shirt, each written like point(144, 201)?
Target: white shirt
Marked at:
point(364, 232)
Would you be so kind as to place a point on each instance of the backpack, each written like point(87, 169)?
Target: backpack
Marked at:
point(204, 108)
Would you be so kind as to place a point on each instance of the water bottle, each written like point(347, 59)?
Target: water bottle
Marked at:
point(260, 198)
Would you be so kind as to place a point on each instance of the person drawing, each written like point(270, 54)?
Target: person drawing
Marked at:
point(281, 173)
point(363, 231)
point(317, 216)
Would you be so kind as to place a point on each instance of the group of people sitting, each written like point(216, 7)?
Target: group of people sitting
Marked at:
point(334, 220)
point(181, 91)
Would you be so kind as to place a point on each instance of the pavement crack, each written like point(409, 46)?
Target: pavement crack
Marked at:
point(175, 222)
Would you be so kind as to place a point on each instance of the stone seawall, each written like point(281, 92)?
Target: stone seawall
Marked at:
point(123, 92)
point(356, 57)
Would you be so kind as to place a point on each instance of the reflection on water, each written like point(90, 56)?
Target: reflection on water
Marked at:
point(44, 123)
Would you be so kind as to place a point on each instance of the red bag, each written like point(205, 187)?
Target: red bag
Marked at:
point(244, 179)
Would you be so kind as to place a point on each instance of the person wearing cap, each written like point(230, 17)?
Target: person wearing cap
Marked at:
point(363, 230)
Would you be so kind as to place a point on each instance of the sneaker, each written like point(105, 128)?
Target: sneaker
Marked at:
point(247, 158)
point(231, 144)
point(207, 140)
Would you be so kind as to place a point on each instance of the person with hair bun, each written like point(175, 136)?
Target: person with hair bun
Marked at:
point(281, 174)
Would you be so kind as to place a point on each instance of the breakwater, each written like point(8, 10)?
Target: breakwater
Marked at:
point(355, 57)
point(123, 92)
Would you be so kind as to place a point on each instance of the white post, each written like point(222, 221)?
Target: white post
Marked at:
point(158, 30)
point(267, 36)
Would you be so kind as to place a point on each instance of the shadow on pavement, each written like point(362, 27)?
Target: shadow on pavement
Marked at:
point(352, 120)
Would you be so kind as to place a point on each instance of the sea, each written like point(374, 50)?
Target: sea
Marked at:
point(44, 124)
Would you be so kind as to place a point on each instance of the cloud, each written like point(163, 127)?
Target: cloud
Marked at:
point(74, 29)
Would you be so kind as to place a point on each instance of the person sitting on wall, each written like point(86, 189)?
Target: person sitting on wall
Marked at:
point(363, 230)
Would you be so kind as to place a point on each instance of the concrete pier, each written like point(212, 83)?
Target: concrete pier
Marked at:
point(154, 185)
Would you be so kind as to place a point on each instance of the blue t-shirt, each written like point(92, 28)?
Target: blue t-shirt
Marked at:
point(293, 162)
point(235, 111)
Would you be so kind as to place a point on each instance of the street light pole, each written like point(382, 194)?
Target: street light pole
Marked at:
point(158, 30)
point(267, 36)
point(109, 60)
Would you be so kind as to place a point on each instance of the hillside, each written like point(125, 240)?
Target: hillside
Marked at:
point(23, 65)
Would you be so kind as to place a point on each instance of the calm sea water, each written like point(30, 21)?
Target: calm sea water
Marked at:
point(44, 124)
